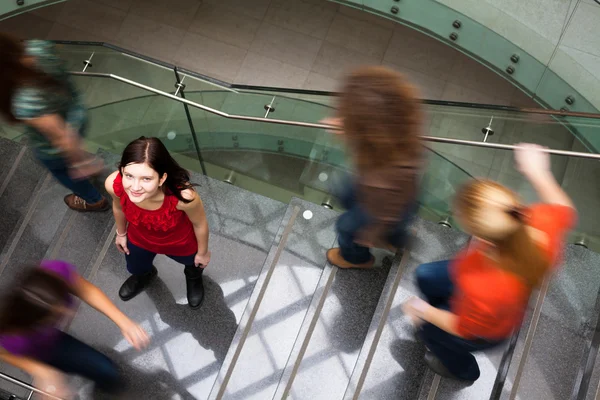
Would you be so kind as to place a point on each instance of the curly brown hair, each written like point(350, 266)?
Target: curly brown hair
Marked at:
point(381, 117)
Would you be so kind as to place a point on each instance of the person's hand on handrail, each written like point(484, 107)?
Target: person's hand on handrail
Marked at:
point(335, 122)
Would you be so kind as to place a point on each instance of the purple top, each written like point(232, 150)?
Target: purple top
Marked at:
point(38, 342)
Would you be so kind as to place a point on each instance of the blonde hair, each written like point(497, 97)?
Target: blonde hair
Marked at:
point(494, 213)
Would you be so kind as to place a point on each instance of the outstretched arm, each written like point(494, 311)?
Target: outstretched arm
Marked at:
point(534, 164)
point(96, 298)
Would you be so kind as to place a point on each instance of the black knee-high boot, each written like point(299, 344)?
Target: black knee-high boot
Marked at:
point(195, 288)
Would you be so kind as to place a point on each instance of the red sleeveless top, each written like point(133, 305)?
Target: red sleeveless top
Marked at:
point(166, 230)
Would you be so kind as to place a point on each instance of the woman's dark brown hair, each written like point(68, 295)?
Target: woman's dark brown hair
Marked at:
point(32, 301)
point(518, 253)
point(153, 152)
point(381, 117)
point(14, 74)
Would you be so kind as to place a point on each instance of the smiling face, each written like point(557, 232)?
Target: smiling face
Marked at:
point(141, 182)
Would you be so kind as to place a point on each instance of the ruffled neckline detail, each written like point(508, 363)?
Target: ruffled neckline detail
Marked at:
point(162, 219)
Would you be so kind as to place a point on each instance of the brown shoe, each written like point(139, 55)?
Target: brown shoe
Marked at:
point(78, 204)
point(334, 256)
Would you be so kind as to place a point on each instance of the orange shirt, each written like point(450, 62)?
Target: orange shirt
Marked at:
point(490, 302)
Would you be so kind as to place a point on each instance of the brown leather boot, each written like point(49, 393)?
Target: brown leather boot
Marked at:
point(334, 256)
point(76, 203)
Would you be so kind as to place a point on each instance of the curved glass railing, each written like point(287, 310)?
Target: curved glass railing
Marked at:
point(218, 142)
point(251, 154)
point(11, 8)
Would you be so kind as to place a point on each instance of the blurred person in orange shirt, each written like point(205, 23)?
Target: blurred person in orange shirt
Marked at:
point(476, 301)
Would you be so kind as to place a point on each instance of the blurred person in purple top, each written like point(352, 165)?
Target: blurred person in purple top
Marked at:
point(30, 339)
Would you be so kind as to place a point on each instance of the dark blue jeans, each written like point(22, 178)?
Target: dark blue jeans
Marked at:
point(454, 352)
point(82, 188)
point(75, 357)
point(139, 261)
point(356, 218)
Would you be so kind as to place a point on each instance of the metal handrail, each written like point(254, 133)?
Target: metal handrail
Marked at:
point(319, 126)
point(28, 387)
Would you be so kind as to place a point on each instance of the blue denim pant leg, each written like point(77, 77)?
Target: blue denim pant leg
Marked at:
point(433, 280)
point(139, 260)
point(455, 352)
point(356, 218)
point(399, 233)
point(82, 188)
point(75, 357)
point(348, 226)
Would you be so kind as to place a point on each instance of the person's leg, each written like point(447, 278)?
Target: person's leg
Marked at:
point(82, 189)
point(344, 190)
point(453, 353)
point(75, 357)
point(350, 254)
point(433, 280)
point(193, 280)
point(139, 264)
point(398, 235)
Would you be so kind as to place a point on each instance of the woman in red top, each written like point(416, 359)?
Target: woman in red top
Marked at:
point(476, 301)
point(157, 211)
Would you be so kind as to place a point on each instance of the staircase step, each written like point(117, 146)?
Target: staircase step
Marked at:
point(22, 183)
point(282, 300)
point(566, 327)
point(188, 346)
point(397, 370)
point(37, 229)
point(82, 236)
point(332, 350)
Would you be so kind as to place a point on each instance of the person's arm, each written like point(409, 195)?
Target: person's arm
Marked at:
point(45, 377)
point(120, 220)
point(534, 164)
point(419, 309)
point(195, 212)
point(116, 203)
point(60, 136)
point(96, 298)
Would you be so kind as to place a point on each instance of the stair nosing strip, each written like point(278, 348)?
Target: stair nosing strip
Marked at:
point(537, 312)
point(380, 326)
point(12, 170)
point(309, 332)
point(434, 387)
point(261, 294)
point(63, 236)
point(24, 223)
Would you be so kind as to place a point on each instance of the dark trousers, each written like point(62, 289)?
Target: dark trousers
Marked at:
point(454, 352)
point(139, 261)
point(82, 188)
point(75, 357)
point(356, 218)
